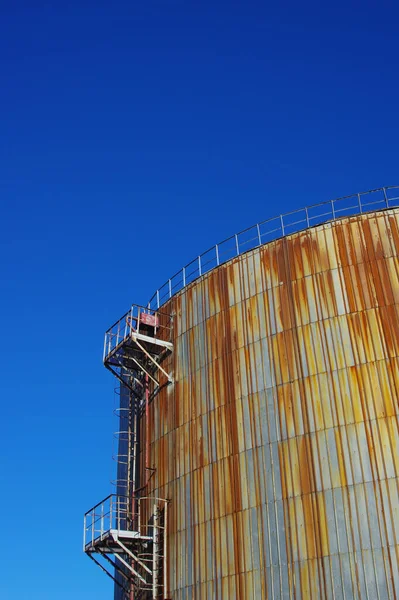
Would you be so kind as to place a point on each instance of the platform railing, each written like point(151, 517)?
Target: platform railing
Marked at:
point(120, 331)
point(110, 513)
point(272, 229)
point(119, 513)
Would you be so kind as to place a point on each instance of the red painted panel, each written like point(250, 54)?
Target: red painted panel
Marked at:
point(148, 319)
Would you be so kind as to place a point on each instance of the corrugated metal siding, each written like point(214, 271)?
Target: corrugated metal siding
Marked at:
point(278, 444)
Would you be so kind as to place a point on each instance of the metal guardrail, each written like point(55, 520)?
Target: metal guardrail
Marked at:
point(272, 229)
point(120, 331)
point(110, 513)
point(118, 513)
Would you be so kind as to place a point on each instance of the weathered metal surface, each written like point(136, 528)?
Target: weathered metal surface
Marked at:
point(278, 443)
point(272, 229)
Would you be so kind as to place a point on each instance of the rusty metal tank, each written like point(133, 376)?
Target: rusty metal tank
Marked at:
point(278, 442)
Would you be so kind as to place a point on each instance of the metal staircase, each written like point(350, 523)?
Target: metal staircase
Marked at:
point(137, 344)
point(126, 533)
point(129, 535)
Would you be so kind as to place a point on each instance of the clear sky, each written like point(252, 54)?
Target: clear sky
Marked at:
point(134, 135)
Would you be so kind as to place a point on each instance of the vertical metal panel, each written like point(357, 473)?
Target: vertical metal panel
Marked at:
point(278, 443)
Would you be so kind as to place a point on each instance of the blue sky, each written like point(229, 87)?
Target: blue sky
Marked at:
point(134, 135)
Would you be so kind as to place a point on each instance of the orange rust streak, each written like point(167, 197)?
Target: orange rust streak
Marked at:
point(301, 365)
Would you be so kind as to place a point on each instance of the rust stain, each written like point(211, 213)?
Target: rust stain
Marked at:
point(281, 428)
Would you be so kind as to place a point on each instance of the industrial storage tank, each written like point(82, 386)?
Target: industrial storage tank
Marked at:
point(266, 435)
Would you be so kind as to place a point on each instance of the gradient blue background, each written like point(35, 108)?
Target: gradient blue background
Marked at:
point(134, 135)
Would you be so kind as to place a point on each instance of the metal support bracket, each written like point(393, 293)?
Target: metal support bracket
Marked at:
point(170, 379)
point(131, 554)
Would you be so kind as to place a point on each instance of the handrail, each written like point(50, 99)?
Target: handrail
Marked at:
point(125, 497)
point(112, 513)
point(99, 504)
point(121, 330)
point(273, 229)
